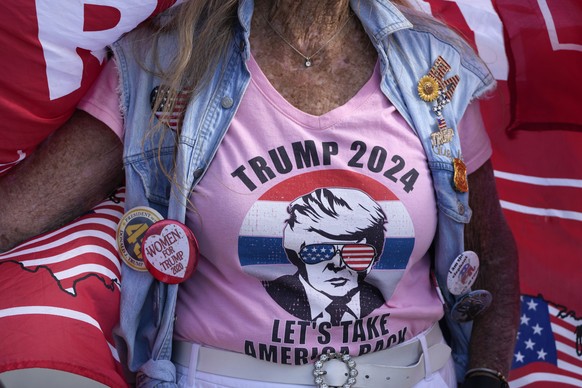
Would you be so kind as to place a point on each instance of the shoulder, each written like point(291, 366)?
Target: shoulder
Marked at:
point(429, 38)
point(427, 29)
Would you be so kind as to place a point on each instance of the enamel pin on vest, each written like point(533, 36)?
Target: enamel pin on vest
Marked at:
point(470, 305)
point(130, 233)
point(160, 97)
point(460, 278)
point(433, 87)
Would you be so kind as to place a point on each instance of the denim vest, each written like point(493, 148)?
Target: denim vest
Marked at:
point(407, 48)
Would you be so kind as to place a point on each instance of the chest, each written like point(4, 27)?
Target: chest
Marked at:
point(336, 73)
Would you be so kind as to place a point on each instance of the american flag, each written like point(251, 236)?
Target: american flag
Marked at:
point(60, 298)
point(549, 349)
point(317, 253)
point(173, 118)
point(358, 256)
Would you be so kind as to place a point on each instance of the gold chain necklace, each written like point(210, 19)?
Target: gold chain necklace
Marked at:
point(308, 58)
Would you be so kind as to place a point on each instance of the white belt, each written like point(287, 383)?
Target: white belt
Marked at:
point(401, 366)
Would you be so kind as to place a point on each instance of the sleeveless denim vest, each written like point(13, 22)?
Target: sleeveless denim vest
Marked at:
point(407, 48)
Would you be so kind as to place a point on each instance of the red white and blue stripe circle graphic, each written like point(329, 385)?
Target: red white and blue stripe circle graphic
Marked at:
point(261, 245)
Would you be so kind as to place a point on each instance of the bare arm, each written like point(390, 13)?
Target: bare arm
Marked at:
point(494, 332)
point(72, 171)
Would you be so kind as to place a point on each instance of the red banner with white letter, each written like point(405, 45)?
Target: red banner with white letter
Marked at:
point(51, 52)
point(544, 39)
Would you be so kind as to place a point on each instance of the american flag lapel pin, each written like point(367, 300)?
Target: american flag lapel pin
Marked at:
point(173, 116)
point(433, 87)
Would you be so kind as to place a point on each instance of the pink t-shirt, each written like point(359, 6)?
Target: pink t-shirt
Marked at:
point(314, 231)
point(286, 196)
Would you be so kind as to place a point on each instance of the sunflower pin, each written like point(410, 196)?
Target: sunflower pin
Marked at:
point(428, 88)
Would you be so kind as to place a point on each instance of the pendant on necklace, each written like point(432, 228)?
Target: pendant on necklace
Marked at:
point(307, 62)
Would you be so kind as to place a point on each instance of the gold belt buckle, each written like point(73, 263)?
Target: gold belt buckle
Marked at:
point(319, 372)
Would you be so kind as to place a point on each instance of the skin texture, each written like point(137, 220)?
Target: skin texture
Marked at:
point(349, 57)
point(72, 171)
point(494, 333)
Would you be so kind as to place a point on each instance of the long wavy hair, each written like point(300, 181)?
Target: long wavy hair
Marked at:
point(201, 31)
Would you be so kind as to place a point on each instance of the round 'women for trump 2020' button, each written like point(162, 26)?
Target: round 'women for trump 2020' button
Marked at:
point(170, 251)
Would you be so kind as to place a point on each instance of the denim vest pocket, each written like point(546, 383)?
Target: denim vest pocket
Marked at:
point(154, 177)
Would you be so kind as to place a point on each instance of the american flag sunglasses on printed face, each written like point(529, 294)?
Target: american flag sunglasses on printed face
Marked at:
point(357, 257)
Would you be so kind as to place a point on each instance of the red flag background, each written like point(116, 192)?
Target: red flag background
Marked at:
point(534, 48)
point(59, 293)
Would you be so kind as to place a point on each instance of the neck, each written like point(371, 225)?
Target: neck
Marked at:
point(305, 23)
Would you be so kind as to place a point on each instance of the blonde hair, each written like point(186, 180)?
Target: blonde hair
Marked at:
point(203, 31)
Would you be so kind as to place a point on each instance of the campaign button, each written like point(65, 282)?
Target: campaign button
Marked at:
point(170, 251)
point(130, 233)
point(462, 273)
point(471, 305)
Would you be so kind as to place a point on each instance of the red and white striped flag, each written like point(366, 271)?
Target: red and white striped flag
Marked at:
point(60, 298)
point(358, 256)
point(171, 119)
